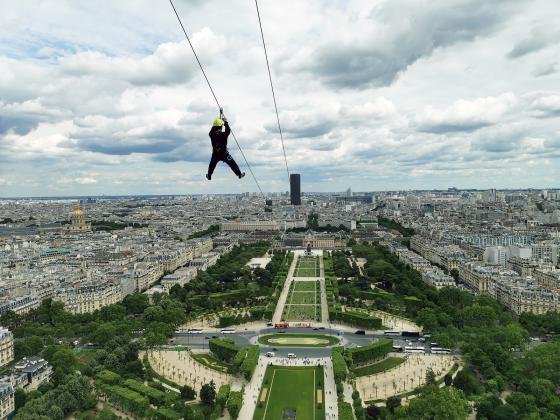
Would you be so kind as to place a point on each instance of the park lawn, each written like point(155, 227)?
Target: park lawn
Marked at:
point(211, 362)
point(386, 364)
point(291, 388)
point(305, 298)
point(298, 340)
point(307, 272)
point(304, 286)
point(297, 313)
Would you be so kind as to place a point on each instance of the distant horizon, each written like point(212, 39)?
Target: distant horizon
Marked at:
point(145, 196)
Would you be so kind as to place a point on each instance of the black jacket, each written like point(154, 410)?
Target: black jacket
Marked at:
point(219, 138)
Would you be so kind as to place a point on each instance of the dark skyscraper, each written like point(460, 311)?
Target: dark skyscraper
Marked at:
point(295, 189)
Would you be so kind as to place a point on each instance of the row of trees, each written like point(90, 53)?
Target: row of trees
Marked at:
point(487, 335)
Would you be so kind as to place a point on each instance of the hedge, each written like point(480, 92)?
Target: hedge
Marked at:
point(250, 363)
point(231, 296)
point(223, 395)
point(223, 349)
point(156, 396)
point(239, 358)
point(345, 411)
point(382, 366)
point(234, 403)
point(125, 398)
point(167, 414)
point(339, 365)
point(109, 377)
point(358, 319)
point(371, 352)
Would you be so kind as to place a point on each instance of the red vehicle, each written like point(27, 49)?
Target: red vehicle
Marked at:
point(281, 325)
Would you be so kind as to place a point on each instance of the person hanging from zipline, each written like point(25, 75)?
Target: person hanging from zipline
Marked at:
point(219, 147)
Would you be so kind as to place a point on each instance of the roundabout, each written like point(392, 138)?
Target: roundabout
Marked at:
point(298, 340)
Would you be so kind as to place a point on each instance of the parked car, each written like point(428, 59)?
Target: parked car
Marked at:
point(360, 332)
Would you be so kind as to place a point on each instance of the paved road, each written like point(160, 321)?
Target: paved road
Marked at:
point(277, 317)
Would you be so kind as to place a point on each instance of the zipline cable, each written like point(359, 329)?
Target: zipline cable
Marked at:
point(214, 94)
point(272, 89)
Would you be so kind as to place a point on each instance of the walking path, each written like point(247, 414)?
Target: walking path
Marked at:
point(182, 369)
point(285, 291)
point(405, 377)
point(252, 390)
point(324, 304)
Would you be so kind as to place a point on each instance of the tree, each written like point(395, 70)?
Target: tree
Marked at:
point(466, 381)
point(208, 393)
point(104, 333)
point(373, 412)
point(448, 379)
point(65, 360)
point(428, 318)
point(136, 303)
point(430, 377)
point(20, 398)
point(10, 319)
point(487, 406)
point(392, 403)
point(443, 404)
point(187, 393)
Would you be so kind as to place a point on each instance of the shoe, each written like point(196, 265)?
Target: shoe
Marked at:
point(242, 175)
point(208, 177)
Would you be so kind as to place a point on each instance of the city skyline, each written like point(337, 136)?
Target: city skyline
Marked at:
point(108, 99)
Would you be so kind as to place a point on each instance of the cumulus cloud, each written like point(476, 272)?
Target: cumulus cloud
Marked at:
point(113, 107)
point(388, 41)
point(465, 115)
point(546, 106)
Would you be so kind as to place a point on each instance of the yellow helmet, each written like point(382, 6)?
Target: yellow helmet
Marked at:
point(218, 122)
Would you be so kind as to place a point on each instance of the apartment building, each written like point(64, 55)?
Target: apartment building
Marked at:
point(87, 299)
point(6, 347)
point(7, 403)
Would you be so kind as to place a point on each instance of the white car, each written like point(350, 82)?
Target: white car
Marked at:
point(291, 356)
point(269, 354)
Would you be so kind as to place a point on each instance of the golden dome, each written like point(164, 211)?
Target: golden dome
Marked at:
point(78, 210)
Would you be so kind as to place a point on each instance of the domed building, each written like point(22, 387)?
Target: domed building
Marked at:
point(78, 222)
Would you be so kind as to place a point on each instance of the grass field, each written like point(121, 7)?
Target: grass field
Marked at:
point(297, 313)
point(305, 286)
point(291, 388)
point(304, 302)
point(307, 267)
point(386, 364)
point(213, 363)
point(308, 298)
point(298, 340)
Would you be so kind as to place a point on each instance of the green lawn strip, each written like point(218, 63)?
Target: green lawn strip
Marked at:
point(386, 364)
point(207, 360)
point(300, 313)
point(303, 297)
point(291, 388)
point(265, 339)
point(304, 286)
point(306, 272)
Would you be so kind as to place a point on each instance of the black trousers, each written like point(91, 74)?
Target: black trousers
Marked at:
point(224, 157)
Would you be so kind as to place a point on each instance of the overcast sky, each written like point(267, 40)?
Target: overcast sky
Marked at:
point(105, 97)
